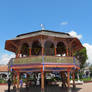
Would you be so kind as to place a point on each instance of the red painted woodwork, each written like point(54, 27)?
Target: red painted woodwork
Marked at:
point(55, 52)
point(29, 51)
point(17, 79)
point(68, 79)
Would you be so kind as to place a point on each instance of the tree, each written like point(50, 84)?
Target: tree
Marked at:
point(90, 68)
point(81, 55)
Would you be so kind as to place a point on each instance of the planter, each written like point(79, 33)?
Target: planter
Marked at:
point(3, 83)
point(87, 81)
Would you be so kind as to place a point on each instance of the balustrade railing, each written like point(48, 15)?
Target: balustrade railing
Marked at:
point(45, 60)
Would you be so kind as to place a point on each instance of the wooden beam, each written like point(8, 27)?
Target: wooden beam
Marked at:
point(14, 80)
point(68, 78)
point(26, 79)
point(29, 51)
point(14, 44)
point(26, 67)
point(18, 54)
point(65, 66)
point(72, 41)
point(73, 77)
point(30, 71)
point(42, 80)
point(45, 66)
point(67, 52)
point(55, 51)
point(18, 80)
point(42, 51)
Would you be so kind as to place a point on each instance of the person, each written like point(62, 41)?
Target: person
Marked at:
point(64, 79)
point(9, 84)
point(21, 83)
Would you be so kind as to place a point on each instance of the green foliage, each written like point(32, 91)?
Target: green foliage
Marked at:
point(3, 81)
point(80, 73)
point(86, 79)
point(81, 56)
point(90, 68)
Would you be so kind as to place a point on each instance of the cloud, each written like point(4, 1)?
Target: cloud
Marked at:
point(89, 51)
point(4, 58)
point(64, 23)
point(74, 34)
point(87, 45)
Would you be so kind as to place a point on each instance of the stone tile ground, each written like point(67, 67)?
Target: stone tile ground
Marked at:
point(87, 87)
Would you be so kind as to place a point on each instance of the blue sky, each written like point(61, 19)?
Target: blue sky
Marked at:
point(22, 16)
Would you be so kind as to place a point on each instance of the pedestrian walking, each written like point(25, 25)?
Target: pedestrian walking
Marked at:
point(9, 84)
point(21, 83)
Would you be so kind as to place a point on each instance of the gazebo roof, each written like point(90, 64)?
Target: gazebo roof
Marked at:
point(43, 32)
point(12, 44)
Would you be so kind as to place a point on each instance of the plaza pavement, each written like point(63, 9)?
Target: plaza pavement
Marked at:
point(86, 87)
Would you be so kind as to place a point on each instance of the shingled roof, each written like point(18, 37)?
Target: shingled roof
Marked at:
point(43, 32)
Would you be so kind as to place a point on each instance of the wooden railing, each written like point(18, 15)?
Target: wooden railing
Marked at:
point(45, 60)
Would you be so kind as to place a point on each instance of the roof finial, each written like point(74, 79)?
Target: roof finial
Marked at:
point(42, 26)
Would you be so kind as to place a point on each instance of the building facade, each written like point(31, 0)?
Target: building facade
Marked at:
point(4, 72)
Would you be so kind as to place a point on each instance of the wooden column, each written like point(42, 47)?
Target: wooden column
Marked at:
point(18, 80)
point(67, 52)
point(14, 80)
point(29, 51)
point(68, 78)
point(42, 45)
point(18, 54)
point(55, 51)
point(71, 52)
point(63, 76)
point(42, 81)
point(73, 77)
point(42, 51)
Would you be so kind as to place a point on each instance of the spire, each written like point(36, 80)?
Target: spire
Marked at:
point(42, 26)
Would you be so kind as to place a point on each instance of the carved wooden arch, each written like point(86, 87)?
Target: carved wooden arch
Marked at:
point(48, 50)
point(77, 43)
point(74, 40)
point(22, 42)
point(36, 50)
point(36, 40)
point(52, 41)
point(65, 43)
point(19, 50)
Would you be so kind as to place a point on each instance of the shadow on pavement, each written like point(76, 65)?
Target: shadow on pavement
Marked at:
point(47, 89)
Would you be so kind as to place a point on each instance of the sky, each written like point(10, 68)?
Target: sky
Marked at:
point(22, 16)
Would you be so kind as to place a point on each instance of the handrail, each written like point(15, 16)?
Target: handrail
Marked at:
point(47, 59)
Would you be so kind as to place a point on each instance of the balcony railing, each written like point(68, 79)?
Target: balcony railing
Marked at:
point(45, 60)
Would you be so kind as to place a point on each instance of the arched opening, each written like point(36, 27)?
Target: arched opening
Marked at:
point(36, 48)
point(61, 49)
point(74, 47)
point(49, 48)
point(25, 50)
